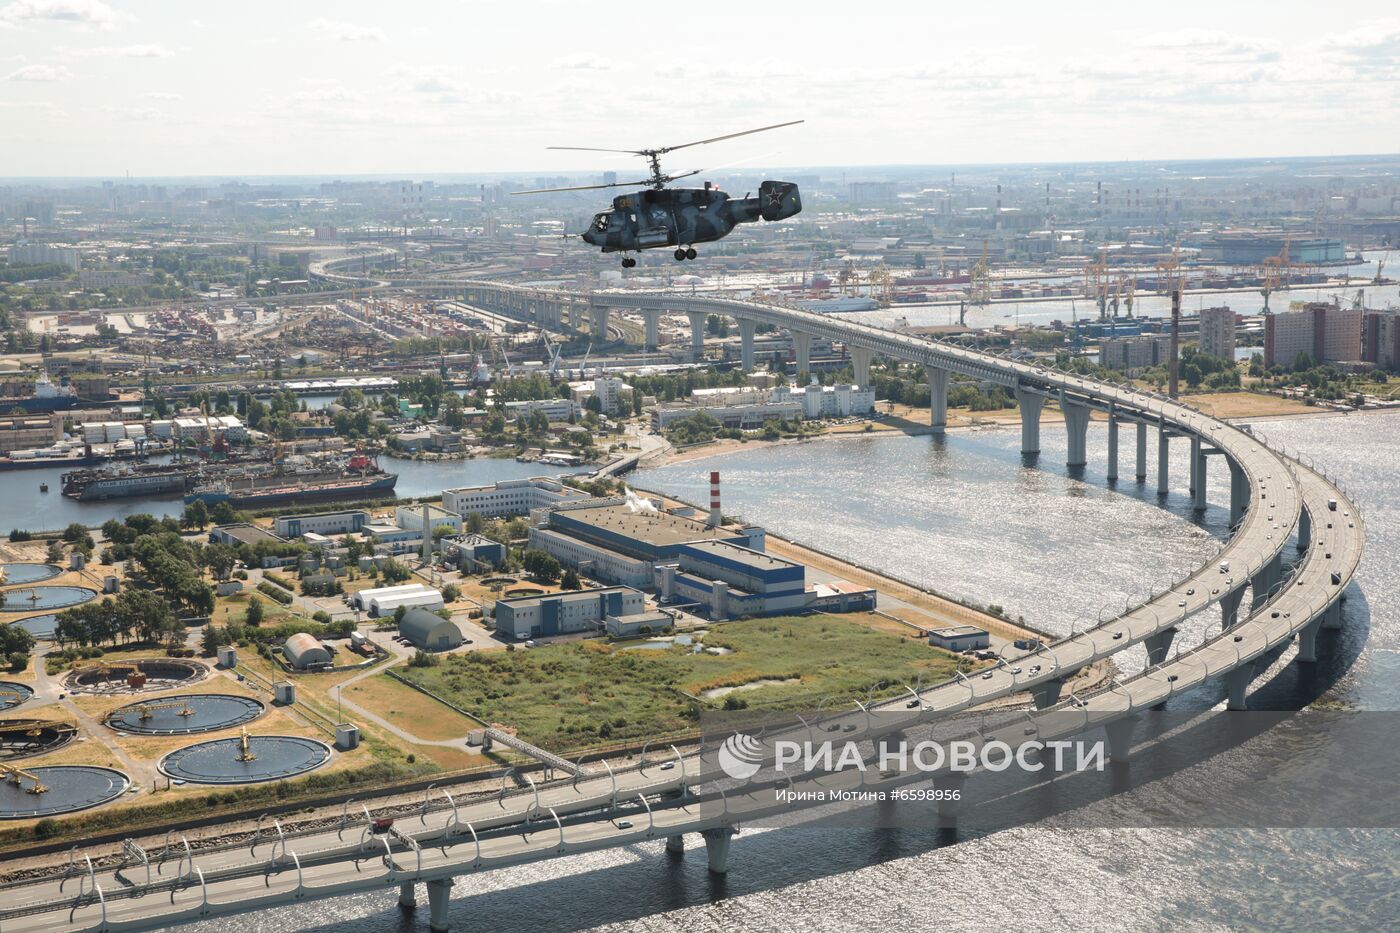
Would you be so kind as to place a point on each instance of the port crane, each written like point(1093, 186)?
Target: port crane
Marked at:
point(980, 287)
point(1275, 272)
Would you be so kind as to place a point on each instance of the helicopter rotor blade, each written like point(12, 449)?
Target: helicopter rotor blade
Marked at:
point(715, 139)
point(616, 184)
point(593, 149)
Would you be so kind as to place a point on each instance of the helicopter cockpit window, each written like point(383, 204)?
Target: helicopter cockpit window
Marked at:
point(600, 222)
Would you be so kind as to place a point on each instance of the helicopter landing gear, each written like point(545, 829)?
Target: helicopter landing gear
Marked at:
point(628, 262)
point(683, 253)
point(690, 253)
point(680, 255)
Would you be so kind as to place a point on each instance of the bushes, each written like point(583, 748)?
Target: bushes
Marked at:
point(275, 592)
point(280, 580)
point(17, 535)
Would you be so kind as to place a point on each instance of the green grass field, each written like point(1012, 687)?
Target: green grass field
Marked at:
point(573, 695)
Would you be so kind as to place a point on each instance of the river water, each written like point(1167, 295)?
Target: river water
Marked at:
point(966, 515)
point(22, 505)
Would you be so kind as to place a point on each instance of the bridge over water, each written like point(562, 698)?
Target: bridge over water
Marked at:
point(1276, 502)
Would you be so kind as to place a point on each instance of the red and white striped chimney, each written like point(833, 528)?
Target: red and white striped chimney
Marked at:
point(714, 499)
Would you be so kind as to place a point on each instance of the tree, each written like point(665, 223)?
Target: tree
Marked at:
point(399, 613)
point(395, 571)
point(196, 514)
point(475, 523)
point(212, 640)
point(540, 565)
point(254, 614)
point(570, 580)
point(54, 555)
point(451, 593)
point(220, 558)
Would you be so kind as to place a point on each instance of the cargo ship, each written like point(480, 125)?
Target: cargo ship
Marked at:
point(361, 478)
point(145, 479)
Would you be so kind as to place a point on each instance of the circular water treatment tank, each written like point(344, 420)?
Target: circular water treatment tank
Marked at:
point(14, 574)
point(30, 598)
point(66, 788)
point(41, 627)
point(140, 675)
point(223, 761)
point(184, 715)
point(13, 694)
point(21, 738)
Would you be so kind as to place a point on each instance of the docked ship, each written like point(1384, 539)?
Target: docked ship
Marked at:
point(360, 478)
point(144, 479)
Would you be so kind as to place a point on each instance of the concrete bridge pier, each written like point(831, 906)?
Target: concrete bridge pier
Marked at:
point(439, 895)
point(598, 321)
point(950, 805)
point(1239, 493)
point(1230, 608)
point(1163, 456)
point(1307, 641)
point(1141, 473)
point(746, 331)
point(697, 334)
point(1264, 581)
point(1332, 618)
point(1198, 474)
point(1112, 446)
point(860, 365)
point(408, 900)
point(802, 344)
point(717, 848)
point(1236, 683)
point(652, 319)
point(1158, 645)
point(1030, 405)
point(1047, 693)
point(938, 398)
point(675, 845)
point(1077, 426)
point(1304, 530)
point(1120, 737)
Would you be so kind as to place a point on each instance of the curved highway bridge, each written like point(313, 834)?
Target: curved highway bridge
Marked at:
point(1275, 501)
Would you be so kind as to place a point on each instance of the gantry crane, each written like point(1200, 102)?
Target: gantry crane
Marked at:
point(979, 291)
point(1274, 271)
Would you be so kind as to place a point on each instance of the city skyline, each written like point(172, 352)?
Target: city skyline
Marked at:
point(103, 89)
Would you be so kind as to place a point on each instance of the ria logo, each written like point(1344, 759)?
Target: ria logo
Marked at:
point(740, 756)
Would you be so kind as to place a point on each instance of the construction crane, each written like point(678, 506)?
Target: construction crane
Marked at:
point(13, 775)
point(1096, 283)
point(1380, 267)
point(979, 292)
point(1274, 271)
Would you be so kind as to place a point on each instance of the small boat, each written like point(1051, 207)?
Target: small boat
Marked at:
point(43, 487)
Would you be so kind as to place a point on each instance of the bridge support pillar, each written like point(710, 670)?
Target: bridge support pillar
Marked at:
point(652, 335)
point(717, 848)
point(1304, 529)
point(802, 344)
point(1239, 493)
point(1307, 641)
point(950, 802)
point(1141, 473)
point(1120, 739)
point(1236, 684)
point(1332, 619)
point(860, 366)
point(1163, 456)
point(938, 398)
point(1263, 582)
point(675, 845)
point(697, 334)
point(1047, 694)
point(439, 895)
point(1198, 474)
point(1230, 608)
point(746, 330)
point(598, 320)
point(1077, 427)
point(1030, 405)
point(1112, 445)
point(1158, 645)
point(407, 899)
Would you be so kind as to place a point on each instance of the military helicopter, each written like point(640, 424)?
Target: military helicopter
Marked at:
point(681, 217)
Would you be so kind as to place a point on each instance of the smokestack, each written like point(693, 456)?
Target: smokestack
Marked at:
point(714, 499)
point(427, 535)
point(1175, 363)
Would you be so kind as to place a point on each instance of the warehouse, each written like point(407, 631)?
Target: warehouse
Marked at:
point(382, 601)
point(564, 613)
point(430, 631)
point(959, 638)
point(509, 497)
point(304, 653)
point(347, 522)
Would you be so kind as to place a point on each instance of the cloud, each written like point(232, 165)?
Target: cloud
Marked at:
point(583, 63)
point(132, 113)
point(164, 95)
point(91, 13)
point(41, 73)
point(346, 32)
point(147, 50)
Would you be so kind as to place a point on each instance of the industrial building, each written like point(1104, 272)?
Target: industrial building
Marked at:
point(728, 581)
point(509, 497)
point(241, 533)
point(564, 613)
point(1252, 248)
point(304, 653)
point(25, 433)
point(555, 409)
point(620, 541)
point(745, 416)
point(413, 517)
point(385, 600)
point(1382, 343)
point(478, 551)
point(347, 522)
point(959, 638)
point(430, 631)
point(1327, 333)
point(1218, 332)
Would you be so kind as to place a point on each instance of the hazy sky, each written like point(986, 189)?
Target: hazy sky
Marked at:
point(105, 87)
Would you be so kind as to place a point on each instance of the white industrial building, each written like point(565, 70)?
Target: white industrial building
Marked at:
point(410, 518)
point(384, 600)
point(555, 409)
point(349, 521)
point(509, 497)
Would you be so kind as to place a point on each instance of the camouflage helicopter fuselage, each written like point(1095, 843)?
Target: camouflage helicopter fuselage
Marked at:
point(662, 217)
